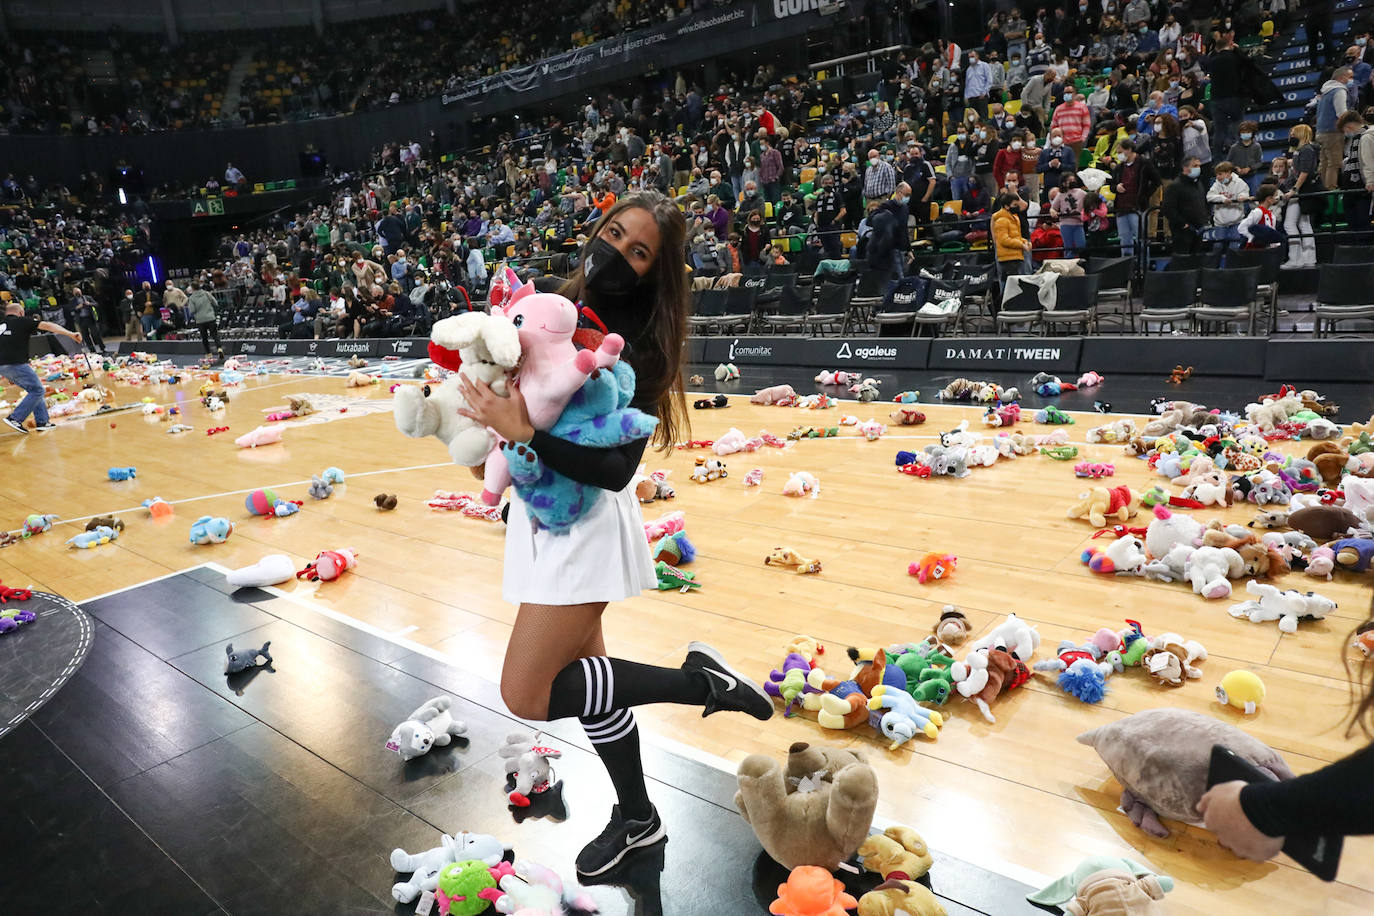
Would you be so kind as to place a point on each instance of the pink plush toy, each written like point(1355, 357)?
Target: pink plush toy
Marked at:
point(735, 441)
point(664, 525)
point(552, 368)
point(837, 378)
point(1090, 379)
point(770, 396)
point(1088, 469)
point(329, 565)
point(263, 435)
point(754, 477)
point(1058, 437)
point(871, 430)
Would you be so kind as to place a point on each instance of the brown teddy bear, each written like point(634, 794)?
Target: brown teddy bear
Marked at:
point(815, 810)
point(898, 852)
point(1330, 460)
point(109, 521)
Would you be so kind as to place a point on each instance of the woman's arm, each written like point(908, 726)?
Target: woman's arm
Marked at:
point(606, 468)
point(1335, 799)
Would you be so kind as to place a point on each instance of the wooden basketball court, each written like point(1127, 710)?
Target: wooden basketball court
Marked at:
point(1019, 797)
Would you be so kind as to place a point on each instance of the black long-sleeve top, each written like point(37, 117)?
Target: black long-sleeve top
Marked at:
point(1335, 799)
point(607, 468)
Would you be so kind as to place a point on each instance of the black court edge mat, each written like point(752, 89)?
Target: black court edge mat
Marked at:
point(268, 792)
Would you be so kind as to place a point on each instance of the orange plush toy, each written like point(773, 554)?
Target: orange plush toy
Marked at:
point(812, 891)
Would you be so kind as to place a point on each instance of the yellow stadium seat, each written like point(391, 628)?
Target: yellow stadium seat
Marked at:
point(808, 175)
point(1012, 107)
point(849, 239)
point(768, 209)
point(956, 207)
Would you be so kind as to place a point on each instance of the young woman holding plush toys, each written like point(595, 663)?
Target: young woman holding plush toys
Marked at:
point(1253, 819)
point(632, 276)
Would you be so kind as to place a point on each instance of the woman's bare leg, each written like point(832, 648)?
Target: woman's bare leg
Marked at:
point(545, 639)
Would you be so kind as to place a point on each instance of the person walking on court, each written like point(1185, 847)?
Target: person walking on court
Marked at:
point(87, 318)
point(15, 331)
point(556, 664)
point(202, 307)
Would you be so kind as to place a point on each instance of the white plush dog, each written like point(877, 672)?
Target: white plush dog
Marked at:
point(1013, 635)
point(490, 348)
point(425, 866)
point(1287, 606)
point(429, 726)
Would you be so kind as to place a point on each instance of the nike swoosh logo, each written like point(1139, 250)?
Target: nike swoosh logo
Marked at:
point(730, 683)
point(631, 840)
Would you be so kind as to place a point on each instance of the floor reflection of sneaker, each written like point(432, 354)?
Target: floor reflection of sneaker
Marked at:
point(16, 426)
point(45, 427)
point(730, 691)
point(619, 839)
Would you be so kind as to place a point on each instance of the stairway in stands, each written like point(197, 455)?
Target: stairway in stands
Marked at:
point(233, 89)
point(1290, 64)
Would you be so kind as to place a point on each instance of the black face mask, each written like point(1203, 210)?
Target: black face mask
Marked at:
point(606, 270)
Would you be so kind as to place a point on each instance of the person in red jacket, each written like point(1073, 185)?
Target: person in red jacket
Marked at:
point(1046, 242)
point(1008, 160)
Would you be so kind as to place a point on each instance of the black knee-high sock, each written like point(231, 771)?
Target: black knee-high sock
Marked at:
point(616, 739)
point(599, 685)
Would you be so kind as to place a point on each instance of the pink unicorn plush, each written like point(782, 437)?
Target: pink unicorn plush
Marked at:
point(551, 370)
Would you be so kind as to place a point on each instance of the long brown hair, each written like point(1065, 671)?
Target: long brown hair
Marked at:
point(1362, 683)
point(658, 367)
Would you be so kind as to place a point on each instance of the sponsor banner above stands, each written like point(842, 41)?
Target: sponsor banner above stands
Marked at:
point(683, 40)
point(841, 353)
point(1028, 354)
point(402, 347)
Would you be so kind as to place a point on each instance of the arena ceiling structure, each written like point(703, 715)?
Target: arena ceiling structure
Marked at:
point(177, 16)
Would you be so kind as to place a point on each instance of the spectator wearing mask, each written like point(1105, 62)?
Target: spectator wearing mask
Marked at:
point(1008, 160)
point(1010, 246)
point(1067, 206)
point(1357, 173)
point(87, 317)
point(736, 151)
point(1135, 180)
point(1247, 156)
point(959, 163)
point(1157, 107)
point(1332, 102)
point(755, 241)
point(1017, 75)
point(329, 318)
point(202, 307)
point(830, 212)
point(750, 175)
point(1196, 138)
point(1229, 94)
point(724, 191)
point(1227, 196)
point(1056, 160)
point(1038, 57)
point(1169, 33)
point(1185, 208)
point(752, 202)
point(985, 149)
point(130, 315)
point(881, 178)
point(770, 171)
point(719, 216)
point(977, 85)
point(476, 266)
point(1074, 120)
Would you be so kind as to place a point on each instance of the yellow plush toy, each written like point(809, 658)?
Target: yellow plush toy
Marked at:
point(898, 852)
point(894, 897)
point(1100, 503)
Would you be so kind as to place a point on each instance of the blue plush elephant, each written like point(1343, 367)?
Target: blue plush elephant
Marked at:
point(904, 719)
point(597, 415)
point(101, 534)
point(209, 529)
point(122, 473)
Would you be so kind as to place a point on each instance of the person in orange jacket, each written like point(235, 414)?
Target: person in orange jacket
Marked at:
point(1008, 242)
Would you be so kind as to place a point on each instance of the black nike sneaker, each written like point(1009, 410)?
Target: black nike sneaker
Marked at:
point(729, 691)
point(619, 839)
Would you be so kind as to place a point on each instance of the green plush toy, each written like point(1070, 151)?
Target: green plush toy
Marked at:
point(460, 883)
point(1361, 445)
point(927, 672)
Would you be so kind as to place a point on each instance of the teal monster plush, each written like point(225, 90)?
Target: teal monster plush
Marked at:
point(1118, 879)
point(461, 886)
point(598, 415)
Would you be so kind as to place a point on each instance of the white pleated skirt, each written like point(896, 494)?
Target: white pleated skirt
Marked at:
point(604, 557)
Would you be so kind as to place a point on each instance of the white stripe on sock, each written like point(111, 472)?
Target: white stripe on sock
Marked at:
point(612, 729)
point(587, 686)
point(610, 685)
point(598, 690)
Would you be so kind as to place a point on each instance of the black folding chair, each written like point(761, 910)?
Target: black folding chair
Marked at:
point(1343, 294)
point(1227, 297)
point(832, 305)
point(792, 308)
point(1168, 298)
point(1075, 304)
point(1113, 286)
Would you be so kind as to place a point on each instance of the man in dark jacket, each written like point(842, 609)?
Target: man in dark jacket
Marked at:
point(1185, 207)
point(392, 229)
point(1135, 179)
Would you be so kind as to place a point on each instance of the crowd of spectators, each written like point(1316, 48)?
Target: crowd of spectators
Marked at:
point(954, 147)
point(294, 73)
